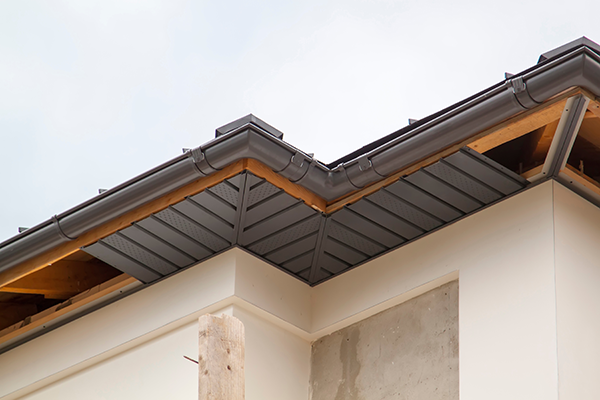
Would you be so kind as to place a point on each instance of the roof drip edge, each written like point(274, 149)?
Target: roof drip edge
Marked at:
point(581, 67)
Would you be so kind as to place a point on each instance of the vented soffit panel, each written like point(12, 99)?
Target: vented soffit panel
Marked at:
point(251, 213)
point(578, 65)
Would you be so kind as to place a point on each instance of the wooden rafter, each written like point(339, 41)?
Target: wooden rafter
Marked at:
point(582, 179)
point(590, 130)
point(532, 172)
point(63, 280)
point(517, 127)
point(56, 311)
point(594, 107)
point(14, 311)
point(542, 145)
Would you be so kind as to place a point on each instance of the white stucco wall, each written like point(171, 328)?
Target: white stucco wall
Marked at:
point(578, 295)
point(115, 329)
point(134, 348)
point(277, 361)
point(153, 370)
point(156, 369)
point(503, 257)
point(507, 301)
point(507, 323)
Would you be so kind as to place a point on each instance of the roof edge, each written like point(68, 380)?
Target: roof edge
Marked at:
point(580, 67)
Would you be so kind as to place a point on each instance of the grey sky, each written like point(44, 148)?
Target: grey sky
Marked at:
point(93, 93)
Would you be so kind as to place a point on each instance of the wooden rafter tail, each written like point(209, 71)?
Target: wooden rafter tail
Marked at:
point(526, 122)
point(594, 107)
point(582, 179)
point(62, 280)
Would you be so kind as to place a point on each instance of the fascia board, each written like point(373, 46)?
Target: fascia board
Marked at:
point(578, 68)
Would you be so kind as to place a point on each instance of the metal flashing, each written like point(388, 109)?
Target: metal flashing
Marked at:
point(248, 119)
point(581, 42)
point(210, 221)
point(301, 241)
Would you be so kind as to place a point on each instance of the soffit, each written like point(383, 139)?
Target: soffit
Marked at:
point(244, 203)
point(250, 212)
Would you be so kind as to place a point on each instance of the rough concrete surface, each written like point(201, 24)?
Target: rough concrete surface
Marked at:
point(409, 351)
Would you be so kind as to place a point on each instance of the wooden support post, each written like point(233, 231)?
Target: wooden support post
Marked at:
point(221, 358)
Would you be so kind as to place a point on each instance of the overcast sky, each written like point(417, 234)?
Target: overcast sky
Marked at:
point(93, 93)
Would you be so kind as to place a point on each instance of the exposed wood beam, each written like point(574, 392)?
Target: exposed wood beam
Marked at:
point(78, 301)
point(63, 280)
point(532, 172)
point(590, 131)
point(582, 179)
point(543, 143)
point(527, 122)
point(14, 312)
point(594, 107)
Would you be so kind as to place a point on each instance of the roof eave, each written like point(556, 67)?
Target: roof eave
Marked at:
point(578, 68)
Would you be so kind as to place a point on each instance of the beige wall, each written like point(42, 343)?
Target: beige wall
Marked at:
point(502, 256)
point(277, 361)
point(153, 370)
point(134, 348)
point(507, 301)
point(507, 321)
point(156, 369)
point(577, 295)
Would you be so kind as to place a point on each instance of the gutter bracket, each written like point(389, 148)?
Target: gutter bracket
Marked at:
point(201, 162)
point(297, 159)
point(297, 167)
point(59, 229)
point(519, 88)
point(362, 172)
point(364, 164)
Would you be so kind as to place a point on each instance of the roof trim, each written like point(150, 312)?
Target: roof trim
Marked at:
point(244, 139)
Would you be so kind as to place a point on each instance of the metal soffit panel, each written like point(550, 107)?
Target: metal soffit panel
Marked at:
point(250, 212)
point(576, 65)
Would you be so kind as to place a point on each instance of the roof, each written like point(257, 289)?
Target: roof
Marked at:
point(251, 189)
point(250, 212)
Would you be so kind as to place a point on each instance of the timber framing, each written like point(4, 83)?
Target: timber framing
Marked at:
point(74, 303)
point(63, 279)
point(582, 179)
